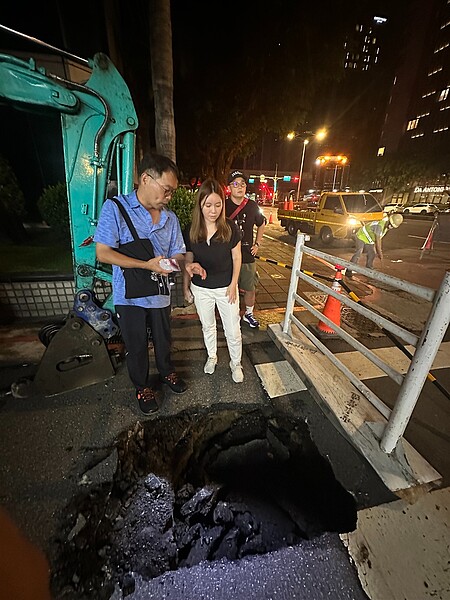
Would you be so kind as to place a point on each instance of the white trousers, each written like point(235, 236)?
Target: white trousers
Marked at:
point(206, 301)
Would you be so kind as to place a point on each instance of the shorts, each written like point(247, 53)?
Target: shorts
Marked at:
point(248, 277)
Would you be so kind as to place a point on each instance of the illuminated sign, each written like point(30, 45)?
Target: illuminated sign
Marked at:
point(436, 189)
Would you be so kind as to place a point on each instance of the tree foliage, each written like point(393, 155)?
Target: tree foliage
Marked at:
point(398, 172)
point(54, 209)
point(12, 204)
point(12, 201)
point(239, 80)
point(182, 203)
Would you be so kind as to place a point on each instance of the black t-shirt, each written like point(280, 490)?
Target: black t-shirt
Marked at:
point(246, 219)
point(215, 258)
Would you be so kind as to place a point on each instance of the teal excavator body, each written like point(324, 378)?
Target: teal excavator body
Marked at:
point(98, 124)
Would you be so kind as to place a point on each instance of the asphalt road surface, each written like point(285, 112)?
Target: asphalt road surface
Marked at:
point(401, 247)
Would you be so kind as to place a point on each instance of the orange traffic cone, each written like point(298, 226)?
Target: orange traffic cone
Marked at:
point(291, 204)
point(332, 309)
point(428, 244)
point(270, 218)
point(285, 204)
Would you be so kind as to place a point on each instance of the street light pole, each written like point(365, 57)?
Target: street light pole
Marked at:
point(302, 162)
point(319, 135)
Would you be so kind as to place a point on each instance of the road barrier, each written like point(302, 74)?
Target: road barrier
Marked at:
point(426, 345)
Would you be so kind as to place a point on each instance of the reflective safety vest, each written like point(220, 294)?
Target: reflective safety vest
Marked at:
point(367, 235)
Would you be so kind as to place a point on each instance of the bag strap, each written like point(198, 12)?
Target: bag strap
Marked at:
point(238, 209)
point(131, 227)
point(126, 216)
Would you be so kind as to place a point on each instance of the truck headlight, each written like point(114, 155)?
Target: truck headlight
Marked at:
point(352, 222)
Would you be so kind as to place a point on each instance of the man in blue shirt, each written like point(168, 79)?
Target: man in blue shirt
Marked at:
point(147, 209)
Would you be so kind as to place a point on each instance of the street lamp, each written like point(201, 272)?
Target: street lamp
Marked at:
point(320, 135)
point(300, 173)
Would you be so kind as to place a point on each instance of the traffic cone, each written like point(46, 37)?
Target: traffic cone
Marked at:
point(428, 244)
point(286, 204)
point(270, 218)
point(332, 310)
point(291, 204)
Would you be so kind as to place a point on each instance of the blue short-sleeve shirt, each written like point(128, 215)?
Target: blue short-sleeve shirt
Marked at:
point(165, 236)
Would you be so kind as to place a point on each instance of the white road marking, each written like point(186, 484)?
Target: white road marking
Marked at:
point(279, 378)
point(363, 368)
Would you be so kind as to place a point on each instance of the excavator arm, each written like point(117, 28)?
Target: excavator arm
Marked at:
point(98, 123)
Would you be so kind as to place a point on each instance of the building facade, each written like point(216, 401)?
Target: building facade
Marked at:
point(417, 123)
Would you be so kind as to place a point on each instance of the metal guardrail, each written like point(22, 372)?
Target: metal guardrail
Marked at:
point(426, 345)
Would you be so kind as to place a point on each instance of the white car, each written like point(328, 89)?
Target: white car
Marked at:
point(421, 209)
point(390, 208)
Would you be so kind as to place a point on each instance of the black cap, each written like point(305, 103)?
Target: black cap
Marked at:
point(235, 174)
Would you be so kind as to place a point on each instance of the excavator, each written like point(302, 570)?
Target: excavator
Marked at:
point(98, 125)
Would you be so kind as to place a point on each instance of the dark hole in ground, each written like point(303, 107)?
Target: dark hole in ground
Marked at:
point(195, 487)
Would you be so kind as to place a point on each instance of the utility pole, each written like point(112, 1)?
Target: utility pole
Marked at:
point(262, 178)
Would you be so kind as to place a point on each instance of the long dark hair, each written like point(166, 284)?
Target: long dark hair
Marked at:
point(198, 231)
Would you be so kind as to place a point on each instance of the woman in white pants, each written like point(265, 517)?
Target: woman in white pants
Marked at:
point(212, 263)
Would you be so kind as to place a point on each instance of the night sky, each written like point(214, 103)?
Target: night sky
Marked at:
point(259, 48)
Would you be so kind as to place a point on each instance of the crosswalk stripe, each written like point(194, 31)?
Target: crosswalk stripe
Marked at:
point(363, 368)
point(279, 378)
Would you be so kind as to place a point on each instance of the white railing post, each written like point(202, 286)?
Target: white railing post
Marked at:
point(420, 366)
point(298, 255)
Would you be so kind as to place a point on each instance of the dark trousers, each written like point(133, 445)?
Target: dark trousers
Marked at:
point(362, 247)
point(133, 322)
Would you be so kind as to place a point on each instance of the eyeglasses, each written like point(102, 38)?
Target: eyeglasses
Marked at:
point(238, 184)
point(168, 192)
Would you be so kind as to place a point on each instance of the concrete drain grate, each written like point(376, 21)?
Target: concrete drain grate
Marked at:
point(348, 315)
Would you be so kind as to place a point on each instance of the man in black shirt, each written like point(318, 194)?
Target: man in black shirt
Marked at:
point(246, 214)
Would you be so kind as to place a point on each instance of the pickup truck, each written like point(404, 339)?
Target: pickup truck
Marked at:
point(337, 215)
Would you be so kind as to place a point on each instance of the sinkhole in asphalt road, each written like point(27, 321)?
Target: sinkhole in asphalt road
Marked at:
point(223, 484)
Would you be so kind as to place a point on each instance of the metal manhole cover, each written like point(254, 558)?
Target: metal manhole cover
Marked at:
point(314, 298)
point(357, 321)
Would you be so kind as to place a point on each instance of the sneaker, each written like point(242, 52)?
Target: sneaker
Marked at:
point(147, 401)
point(250, 319)
point(210, 365)
point(237, 373)
point(175, 383)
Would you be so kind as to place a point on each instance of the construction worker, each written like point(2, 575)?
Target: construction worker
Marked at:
point(368, 239)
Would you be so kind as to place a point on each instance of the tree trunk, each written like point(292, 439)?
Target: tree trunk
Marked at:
point(113, 33)
point(160, 27)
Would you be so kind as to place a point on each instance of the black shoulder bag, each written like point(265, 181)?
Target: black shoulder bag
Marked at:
point(140, 283)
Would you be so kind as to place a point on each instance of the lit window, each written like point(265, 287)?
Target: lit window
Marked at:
point(443, 95)
point(443, 47)
point(412, 124)
point(381, 151)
